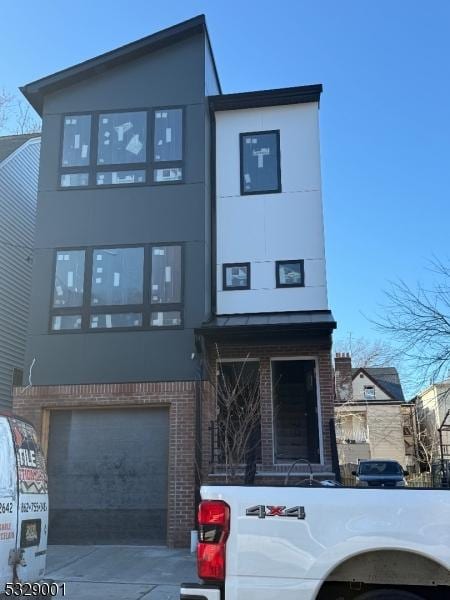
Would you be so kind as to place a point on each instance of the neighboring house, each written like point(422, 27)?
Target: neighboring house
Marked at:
point(172, 220)
point(432, 408)
point(19, 167)
point(373, 420)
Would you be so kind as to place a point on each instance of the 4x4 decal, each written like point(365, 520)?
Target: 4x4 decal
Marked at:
point(262, 511)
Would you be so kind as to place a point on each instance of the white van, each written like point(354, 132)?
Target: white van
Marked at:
point(23, 503)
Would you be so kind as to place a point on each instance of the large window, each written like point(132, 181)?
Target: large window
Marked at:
point(122, 138)
point(128, 148)
point(117, 276)
point(260, 162)
point(118, 288)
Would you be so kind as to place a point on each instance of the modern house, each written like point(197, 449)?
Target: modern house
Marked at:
point(19, 167)
point(174, 222)
point(373, 420)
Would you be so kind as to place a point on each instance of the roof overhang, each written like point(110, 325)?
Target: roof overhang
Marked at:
point(35, 92)
point(286, 325)
point(280, 96)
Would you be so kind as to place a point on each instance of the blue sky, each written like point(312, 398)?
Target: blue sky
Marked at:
point(385, 110)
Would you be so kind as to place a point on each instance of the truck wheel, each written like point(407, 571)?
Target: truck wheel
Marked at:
point(388, 594)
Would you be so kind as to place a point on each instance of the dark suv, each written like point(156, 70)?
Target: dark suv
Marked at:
point(380, 473)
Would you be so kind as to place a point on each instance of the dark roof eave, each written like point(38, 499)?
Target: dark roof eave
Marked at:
point(35, 91)
point(280, 96)
point(247, 330)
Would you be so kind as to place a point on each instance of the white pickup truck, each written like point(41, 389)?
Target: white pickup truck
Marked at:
point(336, 543)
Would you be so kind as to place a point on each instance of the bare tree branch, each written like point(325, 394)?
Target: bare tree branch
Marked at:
point(238, 411)
point(418, 323)
point(16, 116)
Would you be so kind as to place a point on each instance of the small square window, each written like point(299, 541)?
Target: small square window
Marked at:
point(290, 273)
point(369, 392)
point(236, 276)
point(260, 162)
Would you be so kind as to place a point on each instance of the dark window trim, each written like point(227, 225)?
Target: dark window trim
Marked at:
point(226, 266)
point(148, 166)
point(279, 263)
point(86, 310)
point(276, 190)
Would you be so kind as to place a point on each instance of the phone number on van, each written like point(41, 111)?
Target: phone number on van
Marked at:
point(27, 507)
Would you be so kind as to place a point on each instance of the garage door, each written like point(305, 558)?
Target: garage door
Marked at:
point(108, 476)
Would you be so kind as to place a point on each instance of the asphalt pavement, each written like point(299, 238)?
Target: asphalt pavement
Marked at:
point(120, 572)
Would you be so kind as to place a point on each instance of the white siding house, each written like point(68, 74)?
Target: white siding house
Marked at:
point(19, 165)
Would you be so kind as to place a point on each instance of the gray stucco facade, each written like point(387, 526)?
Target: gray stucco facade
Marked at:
point(173, 75)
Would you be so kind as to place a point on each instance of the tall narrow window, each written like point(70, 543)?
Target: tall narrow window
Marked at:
point(117, 276)
point(168, 144)
point(76, 141)
point(69, 278)
point(260, 162)
point(166, 274)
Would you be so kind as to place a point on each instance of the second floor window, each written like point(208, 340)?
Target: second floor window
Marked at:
point(260, 162)
point(236, 276)
point(122, 148)
point(117, 288)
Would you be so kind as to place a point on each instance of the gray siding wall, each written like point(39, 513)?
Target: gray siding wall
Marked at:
point(172, 76)
point(18, 189)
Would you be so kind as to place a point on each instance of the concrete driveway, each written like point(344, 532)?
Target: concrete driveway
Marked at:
point(120, 572)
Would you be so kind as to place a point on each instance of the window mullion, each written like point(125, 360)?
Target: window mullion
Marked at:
point(87, 290)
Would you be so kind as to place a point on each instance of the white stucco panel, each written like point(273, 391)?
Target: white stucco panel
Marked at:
point(275, 300)
point(299, 145)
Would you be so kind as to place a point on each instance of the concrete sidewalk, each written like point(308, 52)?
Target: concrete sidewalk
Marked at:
point(120, 572)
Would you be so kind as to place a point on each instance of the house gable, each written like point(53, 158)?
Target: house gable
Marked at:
point(36, 91)
point(361, 381)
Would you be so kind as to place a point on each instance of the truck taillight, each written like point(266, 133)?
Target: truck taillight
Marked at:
point(214, 526)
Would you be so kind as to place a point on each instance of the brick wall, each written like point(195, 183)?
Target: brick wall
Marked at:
point(36, 403)
point(318, 348)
